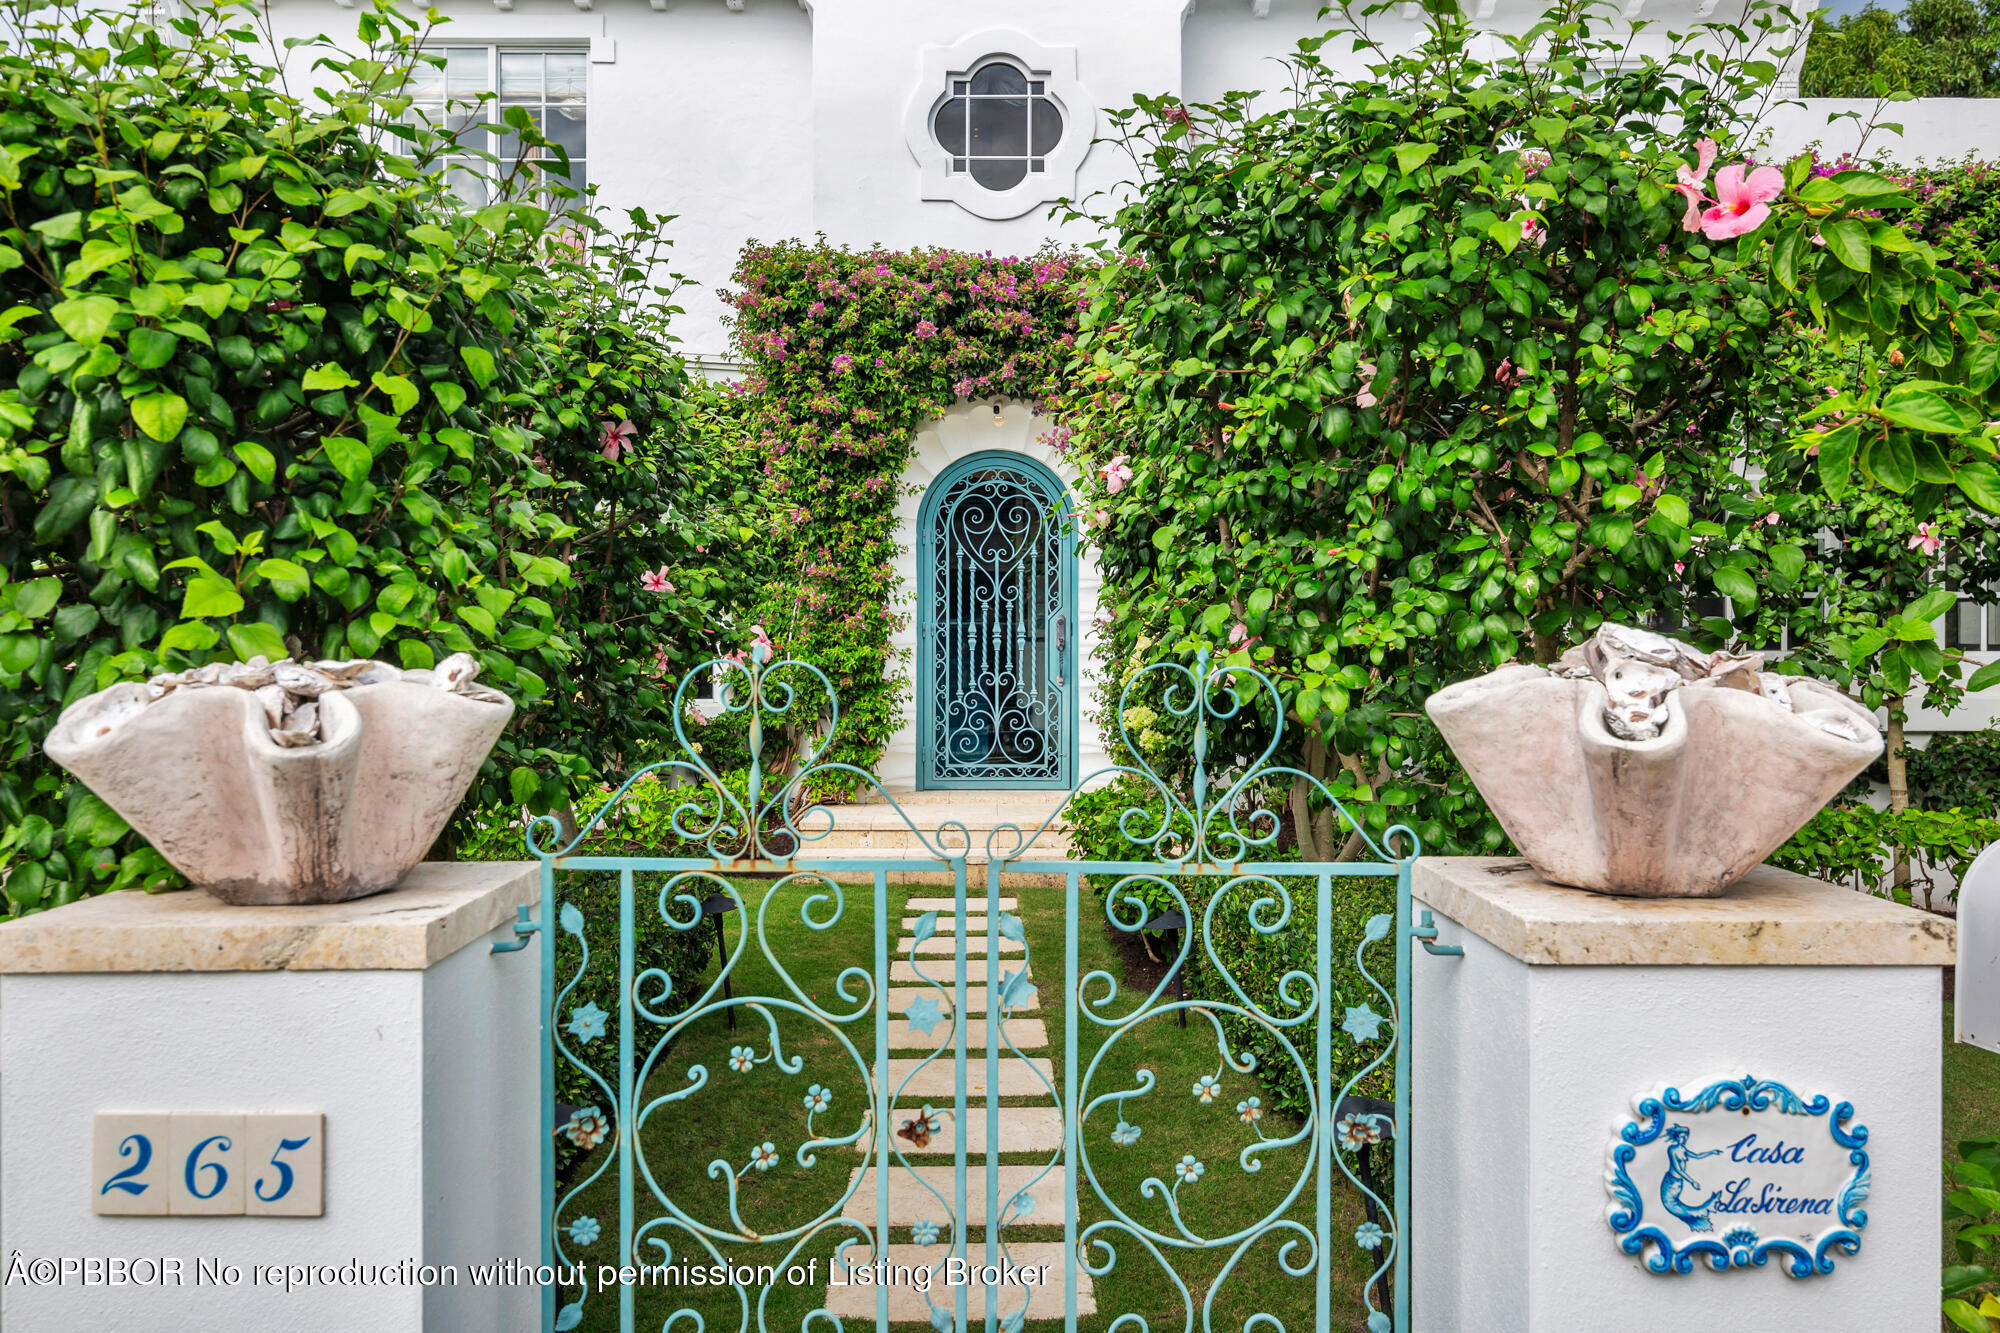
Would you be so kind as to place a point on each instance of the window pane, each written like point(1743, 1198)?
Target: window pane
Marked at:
point(565, 125)
point(465, 69)
point(999, 77)
point(949, 126)
point(426, 80)
point(567, 71)
point(520, 73)
point(1036, 87)
point(1000, 127)
point(1048, 125)
point(1003, 174)
point(1961, 627)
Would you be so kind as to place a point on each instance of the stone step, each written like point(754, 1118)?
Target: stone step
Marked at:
point(975, 970)
point(975, 947)
point(910, 1202)
point(975, 902)
point(946, 922)
point(1022, 1129)
point(975, 999)
point(935, 1082)
point(1029, 1034)
point(908, 1306)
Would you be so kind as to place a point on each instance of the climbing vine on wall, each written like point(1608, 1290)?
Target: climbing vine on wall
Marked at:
point(850, 352)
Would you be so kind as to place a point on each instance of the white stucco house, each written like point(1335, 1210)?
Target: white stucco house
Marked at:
point(945, 123)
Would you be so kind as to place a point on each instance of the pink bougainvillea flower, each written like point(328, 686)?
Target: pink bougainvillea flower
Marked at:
point(1928, 539)
point(660, 663)
point(1117, 473)
point(616, 438)
point(1742, 201)
point(926, 329)
point(759, 639)
point(1692, 183)
point(1239, 632)
point(1504, 373)
point(655, 580)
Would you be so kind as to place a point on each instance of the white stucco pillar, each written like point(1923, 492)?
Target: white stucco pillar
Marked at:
point(1529, 1053)
point(388, 1017)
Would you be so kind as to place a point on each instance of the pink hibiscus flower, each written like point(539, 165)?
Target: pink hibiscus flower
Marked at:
point(1117, 473)
point(1742, 202)
point(655, 580)
point(616, 438)
point(1928, 539)
point(1366, 397)
point(1692, 183)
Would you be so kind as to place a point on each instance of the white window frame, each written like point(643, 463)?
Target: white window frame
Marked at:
point(1054, 67)
point(491, 109)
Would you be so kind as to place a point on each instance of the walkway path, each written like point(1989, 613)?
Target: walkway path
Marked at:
point(1034, 1128)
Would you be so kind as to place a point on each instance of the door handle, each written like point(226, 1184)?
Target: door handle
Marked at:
point(1062, 650)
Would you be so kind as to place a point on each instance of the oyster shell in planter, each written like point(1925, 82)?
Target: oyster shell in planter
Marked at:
point(1643, 766)
point(287, 782)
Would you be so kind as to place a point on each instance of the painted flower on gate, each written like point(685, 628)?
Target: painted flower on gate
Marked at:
point(1357, 1132)
point(586, 1127)
point(655, 580)
point(925, 1232)
point(615, 438)
point(1188, 1169)
point(1024, 1204)
point(764, 1156)
point(1369, 1236)
point(1125, 1135)
point(584, 1230)
point(1117, 473)
point(818, 1099)
point(1250, 1111)
point(587, 1024)
point(1927, 540)
point(741, 1058)
point(1206, 1089)
point(1362, 1023)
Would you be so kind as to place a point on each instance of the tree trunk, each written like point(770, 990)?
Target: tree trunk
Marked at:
point(1899, 788)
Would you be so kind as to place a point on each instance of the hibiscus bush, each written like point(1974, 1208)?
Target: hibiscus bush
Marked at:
point(1441, 366)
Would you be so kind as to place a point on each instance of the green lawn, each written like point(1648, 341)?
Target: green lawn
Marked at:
point(733, 1113)
point(1971, 1100)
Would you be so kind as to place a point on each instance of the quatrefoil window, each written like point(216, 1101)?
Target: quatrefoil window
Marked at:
point(998, 124)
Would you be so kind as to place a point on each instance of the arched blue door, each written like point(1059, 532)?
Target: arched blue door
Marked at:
point(996, 627)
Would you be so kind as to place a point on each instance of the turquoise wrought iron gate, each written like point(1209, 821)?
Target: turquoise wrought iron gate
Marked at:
point(1142, 1199)
point(996, 628)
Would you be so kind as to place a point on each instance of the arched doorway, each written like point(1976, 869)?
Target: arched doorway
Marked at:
point(997, 641)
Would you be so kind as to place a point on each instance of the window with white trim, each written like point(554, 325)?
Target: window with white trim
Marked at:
point(1973, 626)
point(998, 125)
point(476, 87)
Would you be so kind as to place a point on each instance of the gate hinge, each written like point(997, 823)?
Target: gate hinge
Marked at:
point(525, 926)
point(1425, 931)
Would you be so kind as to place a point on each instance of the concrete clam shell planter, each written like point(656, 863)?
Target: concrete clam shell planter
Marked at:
point(1725, 770)
point(305, 783)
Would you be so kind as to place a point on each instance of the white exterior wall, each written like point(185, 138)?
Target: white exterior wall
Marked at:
point(1517, 1075)
point(450, 1180)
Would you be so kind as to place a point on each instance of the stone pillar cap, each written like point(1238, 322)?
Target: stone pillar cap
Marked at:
point(1770, 917)
point(437, 909)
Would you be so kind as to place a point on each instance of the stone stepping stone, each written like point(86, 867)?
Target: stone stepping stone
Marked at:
point(1029, 1034)
point(975, 971)
point(908, 1306)
point(975, 999)
point(1022, 1129)
point(975, 901)
point(936, 1082)
point(975, 946)
point(947, 924)
point(910, 1202)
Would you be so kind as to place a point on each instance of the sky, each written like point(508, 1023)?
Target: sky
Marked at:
point(1835, 8)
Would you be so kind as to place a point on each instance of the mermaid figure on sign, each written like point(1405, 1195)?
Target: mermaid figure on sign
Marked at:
point(1677, 1178)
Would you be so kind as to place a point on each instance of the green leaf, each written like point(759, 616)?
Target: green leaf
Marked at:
point(1788, 561)
point(85, 318)
point(1836, 461)
point(92, 823)
point(37, 597)
point(450, 396)
point(18, 652)
point(210, 596)
point(479, 362)
point(350, 457)
point(479, 618)
point(401, 393)
point(1980, 481)
point(189, 637)
point(160, 415)
point(1890, 462)
point(1736, 585)
point(1673, 509)
point(149, 349)
point(1931, 605)
point(1984, 678)
point(257, 459)
point(1917, 407)
point(256, 639)
point(1410, 156)
point(288, 580)
point(1847, 241)
point(328, 376)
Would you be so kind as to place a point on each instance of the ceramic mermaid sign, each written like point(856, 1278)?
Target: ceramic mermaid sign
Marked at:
point(1738, 1174)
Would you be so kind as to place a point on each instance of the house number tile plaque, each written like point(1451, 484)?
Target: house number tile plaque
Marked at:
point(202, 1164)
point(1742, 1173)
